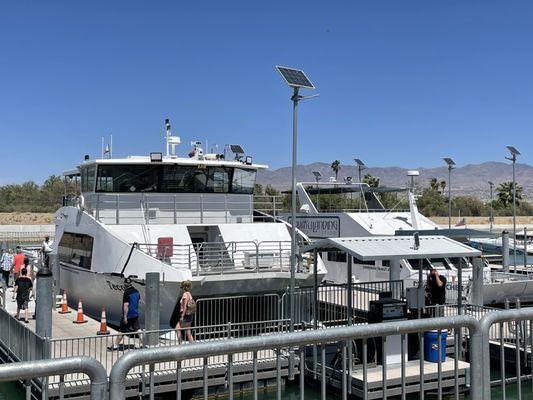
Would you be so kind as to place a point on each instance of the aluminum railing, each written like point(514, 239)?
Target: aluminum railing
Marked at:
point(161, 208)
point(512, 348)
point(46, 368)
point(224, 257)
point(220, 310)
point(3, 295)
point(14, 238)
point(101, 348)
point(282, 346)
point(313, 361)
point(18, 342)
point(331, 307)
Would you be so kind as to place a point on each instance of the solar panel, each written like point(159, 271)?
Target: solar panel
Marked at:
point(236, 149)
point(513, 150)
point(295, 77)
point(449, 161)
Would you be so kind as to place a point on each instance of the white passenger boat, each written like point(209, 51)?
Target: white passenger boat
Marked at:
point(372, 219)
point(188, 218)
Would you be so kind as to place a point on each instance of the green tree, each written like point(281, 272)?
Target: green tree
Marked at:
point(505, 194)
point(336, 167)
point(371, 180)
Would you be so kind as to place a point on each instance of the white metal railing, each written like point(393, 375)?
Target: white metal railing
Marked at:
point(161, 208)
point(223, 257)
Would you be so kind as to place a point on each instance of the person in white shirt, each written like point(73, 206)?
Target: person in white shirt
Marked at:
point(46, 249)
point(6, 265)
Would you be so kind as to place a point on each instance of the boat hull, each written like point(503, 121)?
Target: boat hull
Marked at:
point(100, 291)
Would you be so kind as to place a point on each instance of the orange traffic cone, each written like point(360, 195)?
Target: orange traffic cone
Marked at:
point(64, 306)
point(80, 319)
point(103, 325)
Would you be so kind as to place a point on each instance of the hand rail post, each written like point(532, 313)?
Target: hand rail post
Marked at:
point(201, 208)
point(256, 256)
point(175, 211)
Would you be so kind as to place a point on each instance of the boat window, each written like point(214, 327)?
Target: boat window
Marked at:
point(336, 256)
point(415, 264)
point(77, 249)
point(127, 178)
point(166, 179)
point(440, 263)
point(88, 174)
point(455, 262)
point(243, 181)
point(360, 262)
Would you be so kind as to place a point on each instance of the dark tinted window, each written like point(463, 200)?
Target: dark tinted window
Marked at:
point(174, 179)
point(336, 256)
point(76, 249)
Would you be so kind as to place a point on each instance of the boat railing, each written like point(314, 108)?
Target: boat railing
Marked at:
point(222, 258)
point(361, 210)
point(162, 208)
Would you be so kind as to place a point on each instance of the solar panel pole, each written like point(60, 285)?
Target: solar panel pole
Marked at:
point(295, 79)
point(491, 186)
point(514, 154)
point(295, 97)
point(451, 165)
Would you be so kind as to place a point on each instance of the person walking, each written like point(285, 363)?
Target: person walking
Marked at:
point(130, 312)
point(30, 268)
point(18, 261)
point(6, 265)
point(22, 292)
point(187, 310)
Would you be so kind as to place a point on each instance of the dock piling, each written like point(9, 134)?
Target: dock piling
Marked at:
point(152, 308)
point(44, 303)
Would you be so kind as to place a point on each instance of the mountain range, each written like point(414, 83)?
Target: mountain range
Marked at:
point(468, 180)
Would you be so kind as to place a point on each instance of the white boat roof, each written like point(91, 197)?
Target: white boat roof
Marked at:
point(394, 247)
point(145, 160)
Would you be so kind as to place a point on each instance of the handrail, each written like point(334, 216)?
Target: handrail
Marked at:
point(59, 366)
point(522, 314)
point(117, 377)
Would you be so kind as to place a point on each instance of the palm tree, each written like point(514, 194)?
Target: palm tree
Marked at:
point(336, 167)
point(434, 184)
point(505, 193)
point(442, 185)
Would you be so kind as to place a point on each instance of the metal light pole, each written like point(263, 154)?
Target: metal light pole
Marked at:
point(295, 79)
point(514, 153)
point(451, 165)
point(317, 175)
point(491, 218)
point(360, 167)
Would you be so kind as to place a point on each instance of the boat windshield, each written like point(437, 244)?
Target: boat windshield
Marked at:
point(129, 178)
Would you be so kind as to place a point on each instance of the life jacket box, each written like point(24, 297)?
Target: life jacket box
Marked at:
point(165, 247)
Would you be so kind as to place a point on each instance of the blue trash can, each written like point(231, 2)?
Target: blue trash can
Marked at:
point(431, 346)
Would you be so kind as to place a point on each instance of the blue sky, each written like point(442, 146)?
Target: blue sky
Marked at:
point(401, 83)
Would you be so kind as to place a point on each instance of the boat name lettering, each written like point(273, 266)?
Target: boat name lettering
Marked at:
point(318, 227)
point(114, 286)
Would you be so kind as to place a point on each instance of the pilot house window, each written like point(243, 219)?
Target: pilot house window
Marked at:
point(76, 249)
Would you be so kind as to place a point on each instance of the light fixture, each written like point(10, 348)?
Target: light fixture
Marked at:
point(156, 157)
point(248, 160)
point(451, 165)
